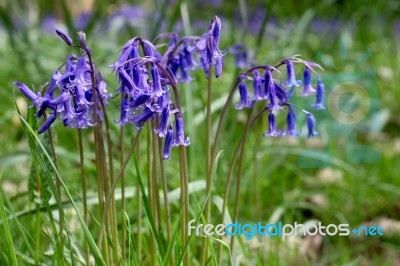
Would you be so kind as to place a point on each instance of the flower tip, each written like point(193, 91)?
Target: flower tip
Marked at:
point(82, 39)
point(67, 39)
point(311, 125)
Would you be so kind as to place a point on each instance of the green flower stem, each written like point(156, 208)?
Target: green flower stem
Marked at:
point(156, 194)
point(99, 152)
point(184, 179)
point(165, 190)
point(83, 182)
point(123, 201)
point(138, 203)
point(185, 194)
point(207, 210)
point(114, 185)
point(150, 193)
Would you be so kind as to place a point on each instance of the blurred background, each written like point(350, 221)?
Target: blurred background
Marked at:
point(348, 174)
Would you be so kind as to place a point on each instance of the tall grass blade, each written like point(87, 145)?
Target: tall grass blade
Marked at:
point(32, 135)
point(7, 232)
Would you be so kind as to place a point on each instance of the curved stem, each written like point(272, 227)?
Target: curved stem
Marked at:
point(242, 140)
point(225, 109)
point(172, 50)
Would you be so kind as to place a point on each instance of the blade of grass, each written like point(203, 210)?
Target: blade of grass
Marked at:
point(6, 227)
point(89, 238)
point(171, 243)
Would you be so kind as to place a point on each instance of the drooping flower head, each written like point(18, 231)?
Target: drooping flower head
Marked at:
point(181, 53)
point(291, 77)
point(145, 96)
point(319, 100)
point(308, 89)
point(291, 122)
point(245, 101)
point(180, 137)
point(311, 125)
point(257, 83)
point(69, 93)
point(208, 47)
point(277, 95)
point(169, 142)
point(272, 128)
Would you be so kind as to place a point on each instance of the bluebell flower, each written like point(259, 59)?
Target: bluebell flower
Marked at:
point(311, 125)
point(219, 64)
point(124, 111)
point(73, 105)
point(291, 78)
point(308, 89)
point(180, 137)
point(208, 47)
point(272, 128)
point(49, 121)
point(66, 38)
point(66, 114)
point(245, 101)
point(139, 101)
point(82, 39)
point(188, 55)
point(282, 94)
point(276, 96)
point(69, 93)
point(127, 84)
point(270, 91)
point(185, 77)
point(142, 118)
point(291, 122)
point(319, 100)
point(169, 141)
point(156, 88)
point(257, 81)
point(28, 93)
point(164, 119)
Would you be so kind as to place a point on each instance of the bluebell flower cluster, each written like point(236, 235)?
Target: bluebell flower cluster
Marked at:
point(180, 56)
point(68, 96)
point(208, 48)
point(277, 94)
point(146, 96)
point(146, 77)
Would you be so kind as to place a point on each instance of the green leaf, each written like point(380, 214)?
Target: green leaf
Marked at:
point(37, 154)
